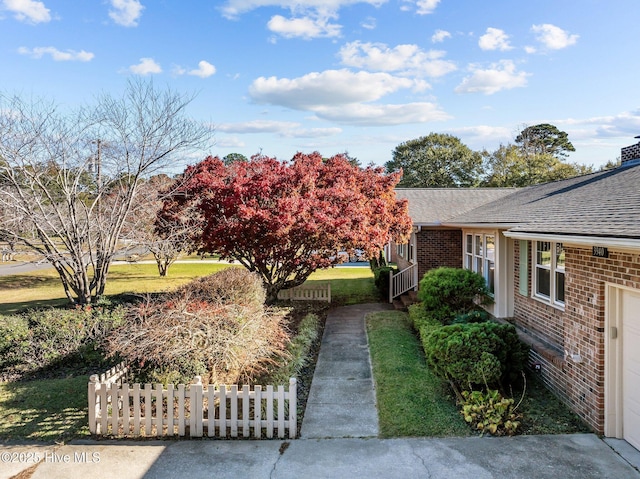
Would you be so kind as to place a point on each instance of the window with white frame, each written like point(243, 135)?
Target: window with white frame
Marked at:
point(549, 272)
point(480, 252)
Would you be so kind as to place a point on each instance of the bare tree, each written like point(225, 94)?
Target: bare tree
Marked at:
point(73, 178)
point(148, 232)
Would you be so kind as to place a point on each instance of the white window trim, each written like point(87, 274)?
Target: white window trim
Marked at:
point(470, 258)
point(552, 268)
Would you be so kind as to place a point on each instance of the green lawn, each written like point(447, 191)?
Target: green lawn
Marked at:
point(45, 410)
point(412, 401)
point(43, 288)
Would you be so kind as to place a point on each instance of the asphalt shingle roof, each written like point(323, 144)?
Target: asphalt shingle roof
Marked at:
point(605, 203)
point(432, 206)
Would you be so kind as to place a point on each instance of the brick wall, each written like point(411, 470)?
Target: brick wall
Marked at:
point(438, 247)
point(577, 330)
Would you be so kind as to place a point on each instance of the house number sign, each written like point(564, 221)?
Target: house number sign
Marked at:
point(600, 252)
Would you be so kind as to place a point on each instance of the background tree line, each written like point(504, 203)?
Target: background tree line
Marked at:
point(537, 155)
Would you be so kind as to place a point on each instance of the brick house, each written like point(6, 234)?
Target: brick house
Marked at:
point(563, 262)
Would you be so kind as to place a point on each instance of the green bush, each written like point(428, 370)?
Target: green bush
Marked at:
point(381, 279)
point(39, 337)
point(476, 316)
point(422, 322)
point(448, 292)
point(14, 340)
point(476, 353)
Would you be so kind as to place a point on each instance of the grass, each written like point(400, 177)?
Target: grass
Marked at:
point(43, 288)
point(349, 285)
point(412, 401)
point(44, 410)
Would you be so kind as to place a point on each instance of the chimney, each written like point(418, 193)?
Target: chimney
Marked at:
point(630, 155)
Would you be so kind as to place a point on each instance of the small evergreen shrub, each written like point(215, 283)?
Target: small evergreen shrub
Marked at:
point(39, 337)
point(422, 322)
point(475, 316)
point(475, 354)
point(381, 279)
point(14, 340)
point(448, 292)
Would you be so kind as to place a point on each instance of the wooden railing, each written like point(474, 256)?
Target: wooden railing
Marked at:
point(402, 281)
point(125, 410)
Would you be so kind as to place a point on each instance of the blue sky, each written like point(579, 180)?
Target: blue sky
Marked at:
point(362, 76)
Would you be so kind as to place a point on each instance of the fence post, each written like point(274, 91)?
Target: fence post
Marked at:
point(390, 286)
point(93, 402)
point(293, 412)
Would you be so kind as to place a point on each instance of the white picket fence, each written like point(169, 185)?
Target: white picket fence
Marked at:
point(307, 292)
point(120, 409)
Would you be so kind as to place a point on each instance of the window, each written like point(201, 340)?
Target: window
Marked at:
point(549, 272)
point(480, 250)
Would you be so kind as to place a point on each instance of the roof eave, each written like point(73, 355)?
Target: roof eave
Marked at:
point(579, 240)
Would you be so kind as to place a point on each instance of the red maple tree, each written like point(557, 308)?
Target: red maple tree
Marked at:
point(284, 220)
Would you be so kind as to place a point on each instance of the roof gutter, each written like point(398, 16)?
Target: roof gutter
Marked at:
point(624, 243)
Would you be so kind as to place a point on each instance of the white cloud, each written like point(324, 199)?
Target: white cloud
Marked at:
point(257, 126)
point(57, 55)
point(494, 39)
point(623, 125)
point(383, 115)
point(552, 37)
point(304, 27)
point(369, 23)
point(126, 12)
point(29, 11)
point(439, 36)
point(500, 76)
point(484, 133)
point(529, 49)
point(146, 66)
point(408, 59)
point(424, 7)
point(285, 129)
point(230, 142)
point(330, 87)
point(204, 70)
point(234, 8)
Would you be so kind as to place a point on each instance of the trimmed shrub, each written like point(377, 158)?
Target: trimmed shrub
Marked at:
point(476, 316)
point(216, 327)
point(40, 337)
point(14, 340)
point(422, 322)
point(475, 353)
point(448, 292)
point(381, 279)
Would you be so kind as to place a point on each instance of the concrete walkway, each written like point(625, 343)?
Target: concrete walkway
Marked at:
point(342, 400)
point(338, 440)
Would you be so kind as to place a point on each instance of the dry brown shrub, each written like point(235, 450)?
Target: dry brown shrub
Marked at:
point(231, 285)
point(221, 333)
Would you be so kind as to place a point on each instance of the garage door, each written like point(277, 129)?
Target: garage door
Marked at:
point(631, 367)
